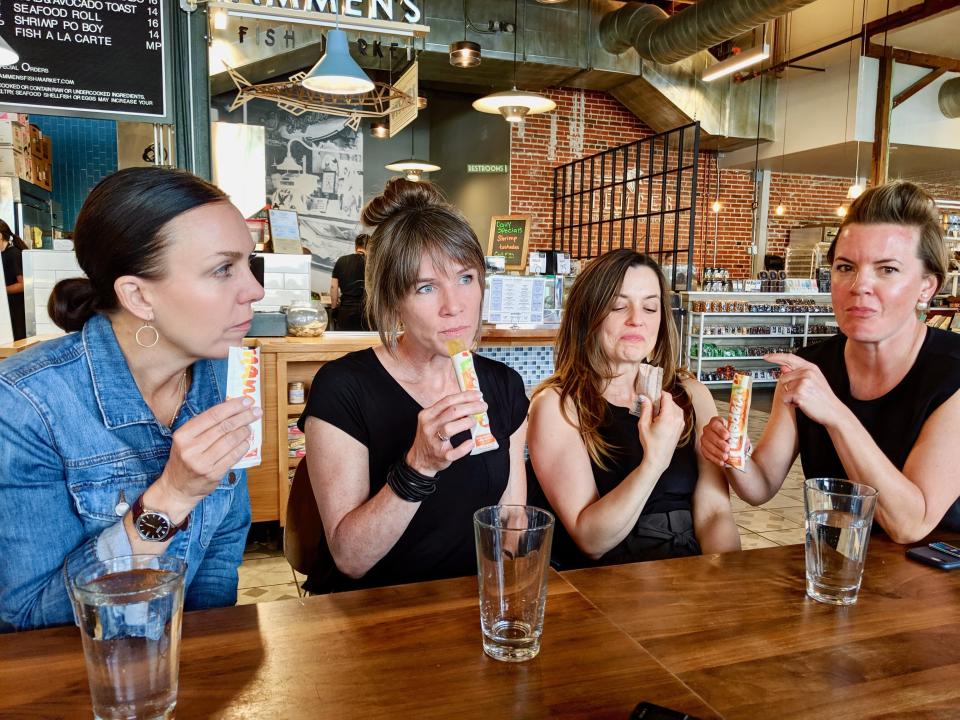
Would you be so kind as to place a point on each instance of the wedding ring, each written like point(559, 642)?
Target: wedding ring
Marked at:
point(443, 438)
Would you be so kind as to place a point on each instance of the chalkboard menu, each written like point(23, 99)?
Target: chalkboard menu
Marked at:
point(508, 238)
point(94, 58)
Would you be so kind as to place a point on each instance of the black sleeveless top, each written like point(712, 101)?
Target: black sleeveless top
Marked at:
point(665, 526)
point(356, 394)
point(894, 420)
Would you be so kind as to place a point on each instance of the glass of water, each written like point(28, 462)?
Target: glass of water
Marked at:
point(513, 561)
point(839, 515)
point(129, 610)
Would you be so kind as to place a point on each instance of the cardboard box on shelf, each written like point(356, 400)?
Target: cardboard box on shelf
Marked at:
point(40, 173)
point(46, 149)
point(15, 135)
point(15, 117)
point(13, 163)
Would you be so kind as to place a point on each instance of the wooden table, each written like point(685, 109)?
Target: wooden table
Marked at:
point(411, 651)
point(740, 632)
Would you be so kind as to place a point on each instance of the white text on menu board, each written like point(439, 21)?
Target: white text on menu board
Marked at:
point(80, 21)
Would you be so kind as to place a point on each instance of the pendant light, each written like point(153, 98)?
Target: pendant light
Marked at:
point(379, 129)
point(514, 104)
point(412, 168)
point(336, 73)
point(8, 56)
point(464, 53)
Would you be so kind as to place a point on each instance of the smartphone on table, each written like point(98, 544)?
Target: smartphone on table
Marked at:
point(938, 554)
point(649, 711)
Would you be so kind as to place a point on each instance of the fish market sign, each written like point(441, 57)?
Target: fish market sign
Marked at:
point(381, 12)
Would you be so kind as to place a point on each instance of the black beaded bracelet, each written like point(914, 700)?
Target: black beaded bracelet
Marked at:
point(408, 484)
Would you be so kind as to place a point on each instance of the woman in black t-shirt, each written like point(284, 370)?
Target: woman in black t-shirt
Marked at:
point(387, 429)
point(624, 488)
point(880, 403)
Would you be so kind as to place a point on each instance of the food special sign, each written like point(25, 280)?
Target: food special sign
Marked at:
point(93, 58)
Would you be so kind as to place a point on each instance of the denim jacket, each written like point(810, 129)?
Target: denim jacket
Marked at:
point(75, 433)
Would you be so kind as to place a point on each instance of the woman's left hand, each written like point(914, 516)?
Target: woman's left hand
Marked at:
point(803, 386)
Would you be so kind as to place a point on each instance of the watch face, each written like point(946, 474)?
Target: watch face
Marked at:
point(153, 526)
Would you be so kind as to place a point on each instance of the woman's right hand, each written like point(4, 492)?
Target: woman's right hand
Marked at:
point(715, 441)
point(431, 451)
point(659, 436)
point(204, 449)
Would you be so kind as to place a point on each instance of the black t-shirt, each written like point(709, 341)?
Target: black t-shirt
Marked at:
point(356, 394)
point(673, 492)
point(12, 267)
point(894, 420)
point(348, 271)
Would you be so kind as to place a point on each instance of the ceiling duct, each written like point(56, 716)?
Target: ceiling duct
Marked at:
point(949, 98)
point(667, 39)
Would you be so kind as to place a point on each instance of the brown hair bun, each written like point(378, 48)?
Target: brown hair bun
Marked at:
point(399, 195)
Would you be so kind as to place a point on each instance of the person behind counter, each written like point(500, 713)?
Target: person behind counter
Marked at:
point(624, 489)
point(11, 248)
point(347, 289)
point(879, 403)
point(388, 447)
point(124, 420)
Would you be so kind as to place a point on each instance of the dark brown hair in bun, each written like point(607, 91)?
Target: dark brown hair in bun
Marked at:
point(119, 231)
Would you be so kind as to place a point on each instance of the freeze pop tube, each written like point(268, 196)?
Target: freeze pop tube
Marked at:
point(466, 372)
point(740, 394)
point(243, 380)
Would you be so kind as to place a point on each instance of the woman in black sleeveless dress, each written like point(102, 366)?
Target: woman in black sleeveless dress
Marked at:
point(878, 404)
point(624, 489)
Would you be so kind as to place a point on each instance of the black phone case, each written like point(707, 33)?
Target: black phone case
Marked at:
point(937, 559)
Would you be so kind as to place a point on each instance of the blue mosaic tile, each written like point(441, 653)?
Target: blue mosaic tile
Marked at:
point(84, 152)
point(534, 364)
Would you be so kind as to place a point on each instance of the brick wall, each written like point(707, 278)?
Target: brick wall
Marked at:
point(808, 199)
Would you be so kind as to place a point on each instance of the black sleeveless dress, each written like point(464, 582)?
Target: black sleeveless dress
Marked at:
point(665, 526)
point(894, 420)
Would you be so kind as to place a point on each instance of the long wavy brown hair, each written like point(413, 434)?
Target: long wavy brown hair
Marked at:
point(582, 369)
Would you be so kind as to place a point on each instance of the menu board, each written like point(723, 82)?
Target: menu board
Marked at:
point(508, 238)
point(94, 58)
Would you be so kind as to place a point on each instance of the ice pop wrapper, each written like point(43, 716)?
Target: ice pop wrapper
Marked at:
point(649, 383)
point(483, 439)
point(243, 380)
point(740, 394)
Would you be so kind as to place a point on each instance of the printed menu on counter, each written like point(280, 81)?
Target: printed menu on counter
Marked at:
point(97, 58)
point(514, 300)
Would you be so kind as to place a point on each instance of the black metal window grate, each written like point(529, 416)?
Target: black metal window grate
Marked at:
point(641, 195)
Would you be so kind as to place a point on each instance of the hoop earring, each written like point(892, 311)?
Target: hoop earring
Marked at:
point(156, 336)
point(922, 307)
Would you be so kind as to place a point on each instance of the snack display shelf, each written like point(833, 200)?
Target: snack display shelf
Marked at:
point(734, 357)
point(798, 316)
point(750, 337)
point(730, 382)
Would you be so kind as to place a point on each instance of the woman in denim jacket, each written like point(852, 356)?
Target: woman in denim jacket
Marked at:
point(116, 438)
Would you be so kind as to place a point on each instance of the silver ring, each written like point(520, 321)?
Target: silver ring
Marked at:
point(443, 438)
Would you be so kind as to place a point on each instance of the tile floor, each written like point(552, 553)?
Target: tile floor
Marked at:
point(266, 576)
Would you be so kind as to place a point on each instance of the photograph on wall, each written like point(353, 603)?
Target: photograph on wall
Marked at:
point(314, 166)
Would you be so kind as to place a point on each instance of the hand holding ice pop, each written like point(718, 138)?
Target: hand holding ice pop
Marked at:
point(803, 386)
